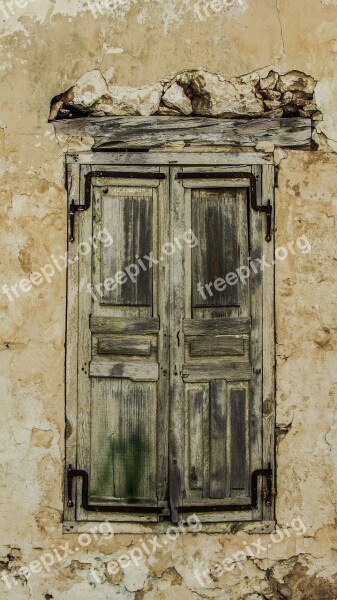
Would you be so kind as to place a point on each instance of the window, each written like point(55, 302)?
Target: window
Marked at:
point(170, 329)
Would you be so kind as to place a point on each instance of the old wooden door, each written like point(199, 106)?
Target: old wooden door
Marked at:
point(170, 344)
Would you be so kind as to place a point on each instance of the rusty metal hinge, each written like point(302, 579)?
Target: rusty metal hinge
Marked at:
point(268, 209)
point(74, 208)
point(85, 504)
point(268, 493)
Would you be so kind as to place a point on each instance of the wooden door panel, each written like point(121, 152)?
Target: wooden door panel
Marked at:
point(221, 409)
point(125, 371)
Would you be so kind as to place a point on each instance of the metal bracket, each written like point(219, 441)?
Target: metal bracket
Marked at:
point(122, 508)
point(268, 494)
point(74, 208)
point(268, 209)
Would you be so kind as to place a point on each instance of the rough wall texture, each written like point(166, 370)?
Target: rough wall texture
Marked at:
point(46, 47)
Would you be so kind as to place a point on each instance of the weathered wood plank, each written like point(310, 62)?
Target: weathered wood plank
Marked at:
point(153, 132)
point(217, 346)
point(158, 157)
point(216, 326)
point(124, 325)
point(136, 371)
point(128, 217)
point(239, 425)
point(73, 180)
point(231, 371)
point(123, 450)
point(123, 345)
point(215, 183)
point(218, 426)
point(214, 222)
point(177, 350)
point(268, 417)
point(196, 446)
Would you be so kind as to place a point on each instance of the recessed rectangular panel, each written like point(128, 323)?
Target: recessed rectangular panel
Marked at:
point(136, 371)
point(239, 424)
point(123, 440)
point(205, 371)
point(124, 346)
point(129, 219)
point(216, 326)
point(218, 426)
point(214, 223)
point(124, 325)
point(217, 346)
point(196, 438)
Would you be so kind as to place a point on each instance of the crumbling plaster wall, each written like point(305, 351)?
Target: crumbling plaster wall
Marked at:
point(46, 47)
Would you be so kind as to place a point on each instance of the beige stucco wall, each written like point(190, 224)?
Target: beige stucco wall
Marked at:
point(45, 48)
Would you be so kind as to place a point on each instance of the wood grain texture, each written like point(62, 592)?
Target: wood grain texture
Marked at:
point(216, 326)
point(232, 371)
point(123, 441)
point(195, 438)
point(124, 325)
point(124, 346)
point(217, 346)
point(214, 223)
point(153, 132)
point(136, 371)
point(218, 435)
point(128, 216)
point(227, 160)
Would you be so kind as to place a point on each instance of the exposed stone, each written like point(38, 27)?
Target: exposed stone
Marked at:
point(272, 104)
point(86, 92)
point(287, 98)
point(214, 96)
point(199, 92)
point(269, 82)
point(296, 81)
point(166, 111)
point(270, 94)
point(129, 101)
point(290, 110)
point(55, 109)
point(176, 98)
point(274, 114)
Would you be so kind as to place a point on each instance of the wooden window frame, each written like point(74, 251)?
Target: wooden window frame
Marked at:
point(78, 162)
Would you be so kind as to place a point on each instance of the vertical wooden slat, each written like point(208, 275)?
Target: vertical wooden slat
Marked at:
point(123, 440)
point(239, 425)
point(84, 345)
point(218, 426)
point(196, 462)
point(177, 309)
point(268, 420)
point(258, 246)
point(215, 224)
point(128, 216)
point(73, 178)
point(162, 293)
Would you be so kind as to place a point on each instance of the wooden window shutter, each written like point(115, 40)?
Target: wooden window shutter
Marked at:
point(169, 358)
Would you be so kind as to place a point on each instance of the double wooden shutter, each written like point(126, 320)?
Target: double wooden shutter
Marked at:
point(166, 401)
